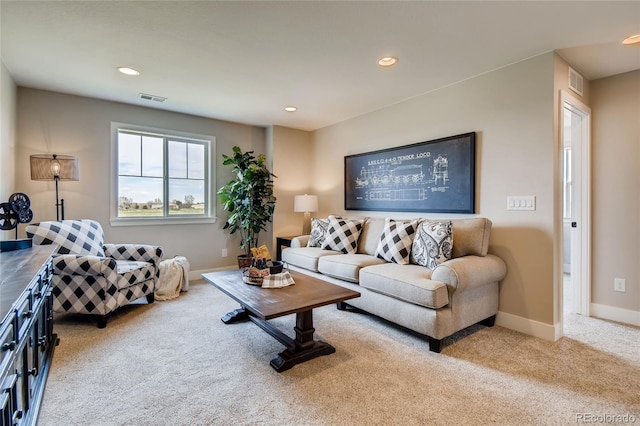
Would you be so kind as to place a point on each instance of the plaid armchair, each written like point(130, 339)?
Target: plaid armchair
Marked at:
point(90, 277)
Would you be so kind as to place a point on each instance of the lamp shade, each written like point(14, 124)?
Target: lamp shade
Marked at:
point(305, 203)
point(46, 166)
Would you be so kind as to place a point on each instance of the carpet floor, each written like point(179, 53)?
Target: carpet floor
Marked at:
point(176, 363)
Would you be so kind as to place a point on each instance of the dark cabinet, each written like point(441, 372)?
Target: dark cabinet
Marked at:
point(27, 339)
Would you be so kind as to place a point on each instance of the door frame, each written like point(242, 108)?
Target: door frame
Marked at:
point(581, 208)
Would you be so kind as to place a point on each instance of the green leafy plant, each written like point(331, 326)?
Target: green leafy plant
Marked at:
point(248, 197)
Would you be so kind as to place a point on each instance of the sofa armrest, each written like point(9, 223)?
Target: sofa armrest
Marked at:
point(300, 241)
point(470, 271)
point(83, 265)
point(136, 252)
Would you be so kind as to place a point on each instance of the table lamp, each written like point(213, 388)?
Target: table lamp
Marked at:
point(306, 204)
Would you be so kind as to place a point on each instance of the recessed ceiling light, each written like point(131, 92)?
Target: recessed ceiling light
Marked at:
point(632, 40)
point(290, 109)
point(128, 71)
point(387, 61)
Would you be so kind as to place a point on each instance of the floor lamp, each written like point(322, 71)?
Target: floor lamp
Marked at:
point(55, 167)
point(306, 203)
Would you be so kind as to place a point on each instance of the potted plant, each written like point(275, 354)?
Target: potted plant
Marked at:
point(248, 198)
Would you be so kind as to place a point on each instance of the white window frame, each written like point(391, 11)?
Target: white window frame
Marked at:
point(210, 184)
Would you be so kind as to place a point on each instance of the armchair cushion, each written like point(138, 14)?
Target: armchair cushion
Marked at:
point(124, 266)
point(131, 273)
point(71, 236)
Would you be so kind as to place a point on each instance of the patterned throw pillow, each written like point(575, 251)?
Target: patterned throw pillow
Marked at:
point(396, 240)
point(318, 232)
point(432, 244)
point(342, 235)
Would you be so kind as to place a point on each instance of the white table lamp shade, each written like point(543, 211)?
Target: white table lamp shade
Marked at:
point(305, 203)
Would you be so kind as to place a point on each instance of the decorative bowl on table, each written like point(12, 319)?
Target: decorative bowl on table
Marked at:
point(253, 275)
point(276, 267)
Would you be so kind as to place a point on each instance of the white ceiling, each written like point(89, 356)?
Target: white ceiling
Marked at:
point(245, 61)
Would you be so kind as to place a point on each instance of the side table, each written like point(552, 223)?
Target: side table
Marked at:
point(282, 242)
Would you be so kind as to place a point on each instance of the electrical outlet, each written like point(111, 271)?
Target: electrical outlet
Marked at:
point(225, 253)
point(619, 284)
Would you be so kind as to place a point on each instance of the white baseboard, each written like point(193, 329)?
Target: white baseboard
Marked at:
point(554, 332)
point(197, 275)
point(527, 326)
point(612, 313)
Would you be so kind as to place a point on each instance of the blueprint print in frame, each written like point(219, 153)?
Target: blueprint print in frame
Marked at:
point(437, 176)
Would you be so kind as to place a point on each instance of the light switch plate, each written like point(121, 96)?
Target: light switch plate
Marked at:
point(521, 202)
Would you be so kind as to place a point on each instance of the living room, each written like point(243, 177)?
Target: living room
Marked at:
point(513, 108)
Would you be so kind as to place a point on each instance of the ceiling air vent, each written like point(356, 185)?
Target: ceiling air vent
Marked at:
point(576, 81)
point(147, 97)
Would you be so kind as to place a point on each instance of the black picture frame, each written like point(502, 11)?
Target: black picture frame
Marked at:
point(436, 176)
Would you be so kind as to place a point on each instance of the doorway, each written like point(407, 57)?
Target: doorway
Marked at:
point(576, 172)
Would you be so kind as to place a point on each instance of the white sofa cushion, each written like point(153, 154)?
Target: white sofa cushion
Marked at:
point(346, 266)
point(370, 235)
point(471, 236)
point(306, 257)
point(410, 283)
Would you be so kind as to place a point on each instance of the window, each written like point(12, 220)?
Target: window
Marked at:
point(160, 175)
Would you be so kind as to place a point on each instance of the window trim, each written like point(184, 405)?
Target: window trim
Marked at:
point(210, 193)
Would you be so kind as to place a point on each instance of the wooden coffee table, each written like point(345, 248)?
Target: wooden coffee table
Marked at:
point(260, 305)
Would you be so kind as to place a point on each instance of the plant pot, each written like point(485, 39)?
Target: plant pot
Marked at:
point(244, 261)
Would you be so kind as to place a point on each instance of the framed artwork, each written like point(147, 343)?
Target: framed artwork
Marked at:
point(436, 176)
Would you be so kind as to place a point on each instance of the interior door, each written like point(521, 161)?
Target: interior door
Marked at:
point(576, 202)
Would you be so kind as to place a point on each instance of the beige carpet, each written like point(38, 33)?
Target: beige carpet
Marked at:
point(176, 363)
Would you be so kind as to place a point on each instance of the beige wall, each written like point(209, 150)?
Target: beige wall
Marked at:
point(292, 164)
point(511, 111)
point(8, 98)
point(615, 103)
point(51, 122)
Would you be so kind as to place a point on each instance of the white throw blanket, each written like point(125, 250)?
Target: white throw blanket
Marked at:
point(174, 277)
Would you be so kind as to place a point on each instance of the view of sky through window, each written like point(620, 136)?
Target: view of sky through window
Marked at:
point(142, 169)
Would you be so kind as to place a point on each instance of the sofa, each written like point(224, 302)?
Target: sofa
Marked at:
point(434, 277)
